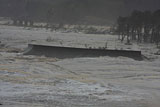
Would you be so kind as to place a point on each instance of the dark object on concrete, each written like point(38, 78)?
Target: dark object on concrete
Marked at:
point(71, 52)
point(1, 104)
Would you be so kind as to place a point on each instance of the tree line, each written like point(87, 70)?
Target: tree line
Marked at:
point(140, 26)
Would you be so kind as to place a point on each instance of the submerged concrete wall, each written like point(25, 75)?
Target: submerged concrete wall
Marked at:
point(71, 52)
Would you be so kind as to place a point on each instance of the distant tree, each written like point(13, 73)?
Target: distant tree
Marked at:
point(156, 30)
point(138, 24)
point(121, 27)
point(147, 25)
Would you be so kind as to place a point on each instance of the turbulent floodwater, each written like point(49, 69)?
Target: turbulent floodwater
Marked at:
point(32, 81)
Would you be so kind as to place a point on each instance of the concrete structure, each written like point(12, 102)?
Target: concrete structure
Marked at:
point(72, 52)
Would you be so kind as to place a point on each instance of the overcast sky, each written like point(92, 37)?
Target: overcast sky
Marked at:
point(143, 4)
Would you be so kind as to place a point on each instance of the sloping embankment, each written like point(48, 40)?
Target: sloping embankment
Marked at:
point(71, 52)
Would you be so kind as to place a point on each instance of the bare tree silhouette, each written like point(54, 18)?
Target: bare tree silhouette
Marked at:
point(140, 26)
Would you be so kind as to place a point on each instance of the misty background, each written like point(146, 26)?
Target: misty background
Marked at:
point(96, 12)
